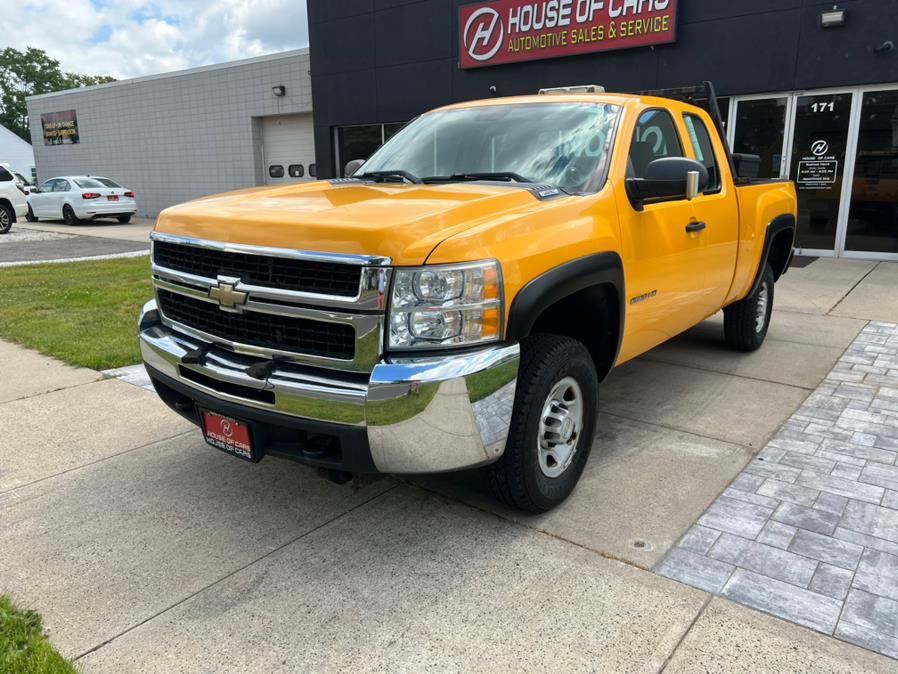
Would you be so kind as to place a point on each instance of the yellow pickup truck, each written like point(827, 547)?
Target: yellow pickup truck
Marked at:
point(456, 301)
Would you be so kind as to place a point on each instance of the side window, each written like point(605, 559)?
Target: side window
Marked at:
point(655, 137)
point(48, 186)
point(5, 176)
point(61, 186)
point(704, 150)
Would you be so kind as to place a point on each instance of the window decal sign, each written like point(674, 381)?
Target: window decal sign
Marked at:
point(507, 31)
point(60, 128)
point(819, 169)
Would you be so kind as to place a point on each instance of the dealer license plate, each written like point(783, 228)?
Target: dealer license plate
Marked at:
point(228, 435)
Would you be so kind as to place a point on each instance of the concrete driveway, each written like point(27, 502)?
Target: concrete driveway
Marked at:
point(146, 550)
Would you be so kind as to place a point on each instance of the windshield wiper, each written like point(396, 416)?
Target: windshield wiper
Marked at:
point(495, 175)
point(383, 176)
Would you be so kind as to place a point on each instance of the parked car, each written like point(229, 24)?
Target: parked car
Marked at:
point(26, 185)
point(457, 301)
point(78, 198)
point(13, 200)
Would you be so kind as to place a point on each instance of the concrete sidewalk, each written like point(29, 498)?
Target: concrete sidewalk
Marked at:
point(146, 550)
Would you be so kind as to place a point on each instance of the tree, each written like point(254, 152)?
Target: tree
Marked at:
point(28, 73)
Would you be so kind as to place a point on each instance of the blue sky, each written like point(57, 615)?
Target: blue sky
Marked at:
point(129, 38)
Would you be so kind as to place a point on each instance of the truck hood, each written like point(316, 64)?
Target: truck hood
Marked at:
point(402, 222)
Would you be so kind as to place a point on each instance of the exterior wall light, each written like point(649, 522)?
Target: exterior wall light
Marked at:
point(279, 90)
point(833, 18)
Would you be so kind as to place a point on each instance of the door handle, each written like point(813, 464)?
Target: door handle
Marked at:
point(693, 227)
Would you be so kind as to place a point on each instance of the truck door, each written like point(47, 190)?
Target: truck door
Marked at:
point(718, 208)
point(662, 260)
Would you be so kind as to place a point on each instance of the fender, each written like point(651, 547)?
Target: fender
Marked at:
point(562, 281)
point(779, 224)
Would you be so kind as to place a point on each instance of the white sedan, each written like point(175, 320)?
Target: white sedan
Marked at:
point(77, 198)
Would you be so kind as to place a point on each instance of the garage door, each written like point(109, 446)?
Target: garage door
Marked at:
point(288, 148)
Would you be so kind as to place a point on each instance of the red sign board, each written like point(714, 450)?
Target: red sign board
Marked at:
point(506, 31)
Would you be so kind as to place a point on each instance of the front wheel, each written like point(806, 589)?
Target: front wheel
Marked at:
point(124, 219)
point(30, 216)
point(6, 218)
point(552, 425)
point(745, 323)
point(68, 215)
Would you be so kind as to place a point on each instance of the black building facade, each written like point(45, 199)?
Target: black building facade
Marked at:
point(789, 73)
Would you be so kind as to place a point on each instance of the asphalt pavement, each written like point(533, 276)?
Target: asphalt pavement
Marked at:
point(28, 243)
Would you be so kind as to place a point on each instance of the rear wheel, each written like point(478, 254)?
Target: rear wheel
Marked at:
point(745, 323)
point(68, 214)
point(30, 216)
point(552, 425)
point(124, 219)
point(6, 218)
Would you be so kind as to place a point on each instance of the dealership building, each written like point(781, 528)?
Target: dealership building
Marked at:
point(183, 135)
point(811, 87)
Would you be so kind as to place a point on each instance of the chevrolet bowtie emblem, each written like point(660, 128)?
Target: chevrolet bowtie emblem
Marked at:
point(228, 297)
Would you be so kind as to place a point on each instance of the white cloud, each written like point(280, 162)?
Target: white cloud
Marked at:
point(129, 38)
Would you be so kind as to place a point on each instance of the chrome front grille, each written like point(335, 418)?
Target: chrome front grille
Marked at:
point(307, 307)
point(311, 276)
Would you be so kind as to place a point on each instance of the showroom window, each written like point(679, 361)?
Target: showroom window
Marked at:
point(360, 142)
point(760, 130)
point(873, 218)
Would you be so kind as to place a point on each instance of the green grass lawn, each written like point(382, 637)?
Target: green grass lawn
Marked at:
point(84, 313)
point(23, 647)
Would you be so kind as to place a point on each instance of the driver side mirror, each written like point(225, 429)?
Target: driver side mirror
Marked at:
point(352, 166)
point(668, 178)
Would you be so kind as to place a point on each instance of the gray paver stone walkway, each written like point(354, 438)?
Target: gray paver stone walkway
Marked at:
point(809, 531)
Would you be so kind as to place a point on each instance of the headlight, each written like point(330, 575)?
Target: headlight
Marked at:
point(446, 305)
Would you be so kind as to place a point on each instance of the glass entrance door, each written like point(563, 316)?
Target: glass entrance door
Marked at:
point(817, 162)
point(873, 215)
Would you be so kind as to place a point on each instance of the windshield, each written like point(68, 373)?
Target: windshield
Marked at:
point(88, 182)
point(565, 145)
point(108, 182)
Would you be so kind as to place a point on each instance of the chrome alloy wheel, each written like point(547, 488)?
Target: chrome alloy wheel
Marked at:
point(5, 221)
point(761, 309)
point(559, 427)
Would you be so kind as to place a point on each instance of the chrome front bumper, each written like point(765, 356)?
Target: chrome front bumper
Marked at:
point(418, 415)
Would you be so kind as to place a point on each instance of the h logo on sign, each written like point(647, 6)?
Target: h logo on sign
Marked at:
point(485, 42)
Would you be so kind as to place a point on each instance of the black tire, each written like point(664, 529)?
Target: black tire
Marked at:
point(519, 477)
point(742, 322)
point(68, 215)
point(124, 219)
point(7, 216)
point(30, 216)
